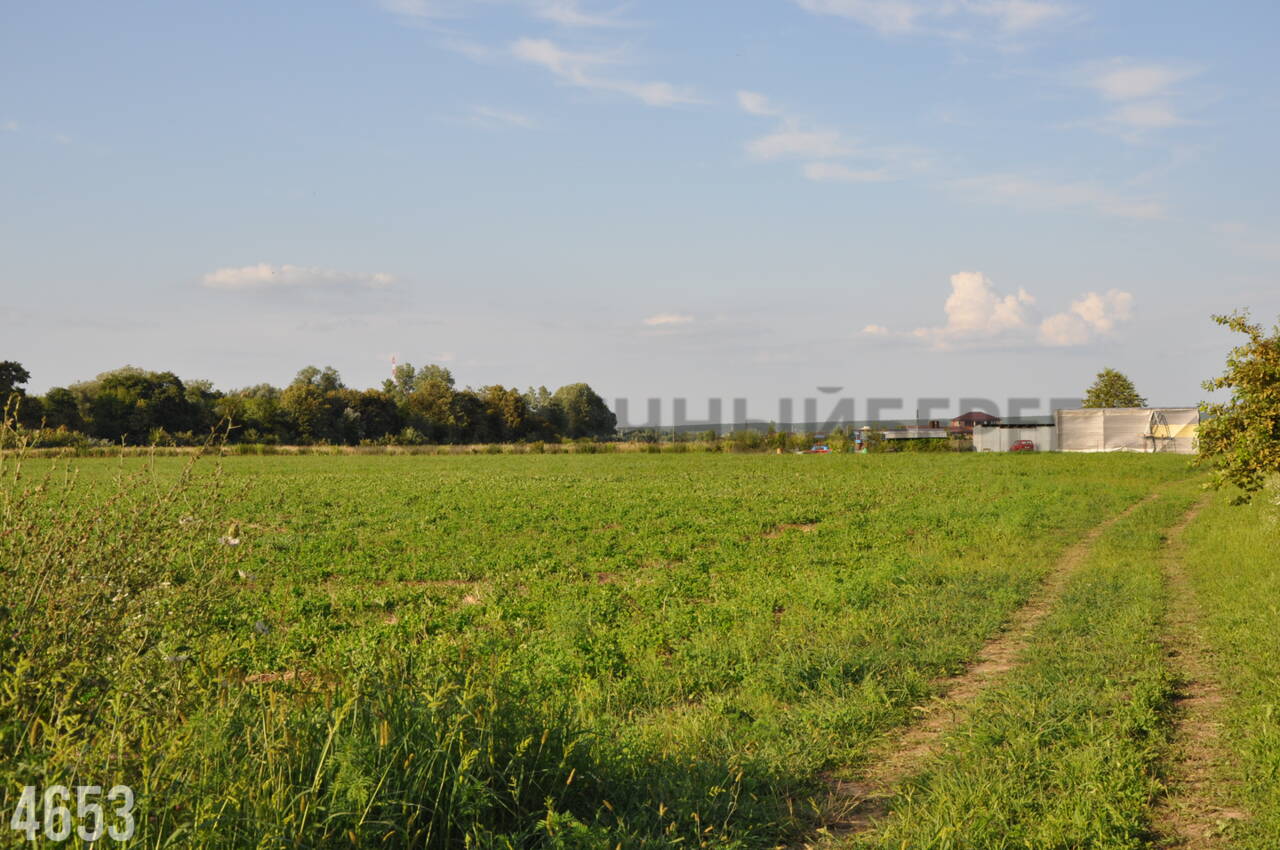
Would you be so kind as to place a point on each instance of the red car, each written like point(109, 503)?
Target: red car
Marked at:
point(818, 449)
point(1022, 446)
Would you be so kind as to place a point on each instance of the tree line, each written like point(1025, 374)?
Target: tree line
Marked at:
point(414, 407)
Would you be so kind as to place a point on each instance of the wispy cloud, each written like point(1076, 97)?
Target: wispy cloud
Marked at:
point(268, 276)
point(834, 172)
point(569, 13)
point(11, 126)
point(423, 8)
point(1125, 79)
point(826, 151)
point(943, 17)
point(791, 142)
point(1030, 193)
point(1018, 16)
point(490, 116)
point(580, 69)
point(885, 16)
point(754, 103)
point(1142, 94)
point(565, 13)
point(668, 320)
point(978, 315)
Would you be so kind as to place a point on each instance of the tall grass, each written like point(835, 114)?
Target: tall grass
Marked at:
point(122, 664)
point(1232, 562)
point(1067, 750)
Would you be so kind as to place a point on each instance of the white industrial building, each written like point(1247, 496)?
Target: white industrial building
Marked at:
point(1128, 429)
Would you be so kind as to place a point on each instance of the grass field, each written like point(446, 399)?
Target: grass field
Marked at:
point(603, 650)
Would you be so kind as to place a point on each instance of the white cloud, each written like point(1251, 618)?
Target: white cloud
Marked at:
point(976, 311)
point(1089, 315)
point(756, 104)
point(267, 276)
point(814, 144)
point(491, 116)
point(421, 8)
point(1154, 115)
point(668, 319)
point(1123, 79)
point(577, 69)
point(565, 13)
point(941, 17)
point(1143, 94)
point(1031, 193)
point(1016, 16)
point(884, 16)
point(568, 13)
point(979, 314)
point(11, 126)
point(836, 173)
point(795, 139)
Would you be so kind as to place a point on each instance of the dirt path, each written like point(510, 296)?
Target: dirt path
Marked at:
point(1196, 811)
point(853, 807)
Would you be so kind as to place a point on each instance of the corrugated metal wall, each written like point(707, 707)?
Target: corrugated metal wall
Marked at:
point(989, 439)
point(1110, 429)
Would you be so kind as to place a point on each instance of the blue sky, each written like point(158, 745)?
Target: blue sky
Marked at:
point(912, 198)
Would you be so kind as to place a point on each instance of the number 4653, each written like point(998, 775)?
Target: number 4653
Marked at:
point(89, 819)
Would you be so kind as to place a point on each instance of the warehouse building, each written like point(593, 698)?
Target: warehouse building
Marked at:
point(1128, 429)
point(1001, 437)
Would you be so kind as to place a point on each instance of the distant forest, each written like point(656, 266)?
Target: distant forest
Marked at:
point(415, 407)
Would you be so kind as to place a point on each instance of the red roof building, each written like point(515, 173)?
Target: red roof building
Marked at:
point(963, 424)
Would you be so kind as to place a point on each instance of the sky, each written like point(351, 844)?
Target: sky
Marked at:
point(900, 198)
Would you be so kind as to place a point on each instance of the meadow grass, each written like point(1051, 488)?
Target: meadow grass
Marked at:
point(1067, 750)
point(505, 651)
point(1234, 567)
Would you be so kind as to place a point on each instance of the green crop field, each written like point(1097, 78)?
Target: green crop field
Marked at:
point(587, 651)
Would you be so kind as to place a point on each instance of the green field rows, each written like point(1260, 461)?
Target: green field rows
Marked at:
point(579, 650)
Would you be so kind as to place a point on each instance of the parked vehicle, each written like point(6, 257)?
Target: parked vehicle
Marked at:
point(817, 449)
point(1022, 446)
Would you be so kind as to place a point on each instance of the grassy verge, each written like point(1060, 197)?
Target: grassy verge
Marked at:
point(1233, 564)
point(1065, 751)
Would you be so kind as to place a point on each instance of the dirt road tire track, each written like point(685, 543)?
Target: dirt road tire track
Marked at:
point(854, 806)
point(1196, 813)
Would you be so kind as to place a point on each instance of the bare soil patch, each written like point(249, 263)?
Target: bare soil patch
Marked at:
point(778, 530)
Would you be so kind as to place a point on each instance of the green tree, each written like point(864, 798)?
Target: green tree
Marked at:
point(12, 379)
point(585, 413)
point(129, 403)
point(61, 410)
point(257, 414)
point(1240, 441)
point(315, 404)
point(430, 410)
point(508, 410)
point(379, 414)
point(1113, 389)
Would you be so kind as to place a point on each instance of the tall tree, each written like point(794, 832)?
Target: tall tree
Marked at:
point(61, 410)
point(12, 379)
point(585, 413)
point(1240, 441)
point(430, 410)
point(1113, 389)
point(315, 405)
